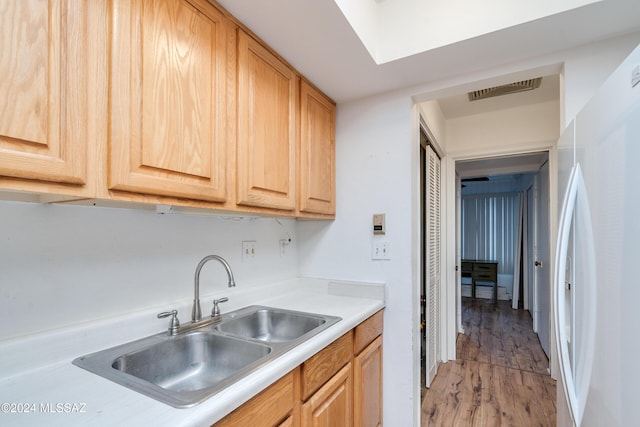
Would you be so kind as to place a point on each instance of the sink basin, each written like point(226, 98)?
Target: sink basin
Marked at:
point(272, 325)
point(185, 369)
point(180, 371)
point(190, 362)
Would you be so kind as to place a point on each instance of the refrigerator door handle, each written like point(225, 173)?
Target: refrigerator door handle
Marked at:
point(576, 376)
point(564, 230)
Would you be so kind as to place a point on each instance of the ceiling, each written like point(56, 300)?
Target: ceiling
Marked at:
point(316, 38)
point(506, 165)
point(395, 29)
point(459, 105)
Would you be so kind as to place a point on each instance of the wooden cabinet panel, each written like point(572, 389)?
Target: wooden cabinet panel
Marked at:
point(319, 368)
point(368, 386)
point(267, 128)
point(367, 331)
point(287, 423)
point(317, 152)
point(43, 91)
point(267, 409)
point(332, 388)
point(332, 404)
point(167, 99)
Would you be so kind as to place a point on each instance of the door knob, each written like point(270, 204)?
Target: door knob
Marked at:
point(537, 264)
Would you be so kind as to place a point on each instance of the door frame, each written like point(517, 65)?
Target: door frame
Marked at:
point(539, 252)
point(527, 301)
point(450, 240)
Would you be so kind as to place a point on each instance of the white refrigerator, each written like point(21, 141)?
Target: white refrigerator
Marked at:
point(597, 278)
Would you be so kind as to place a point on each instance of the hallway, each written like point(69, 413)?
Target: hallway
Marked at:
point(500, 376)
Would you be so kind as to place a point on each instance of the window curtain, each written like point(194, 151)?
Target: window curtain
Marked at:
point(489, 227)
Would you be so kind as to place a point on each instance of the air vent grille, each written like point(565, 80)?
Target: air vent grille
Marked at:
point(505, 89)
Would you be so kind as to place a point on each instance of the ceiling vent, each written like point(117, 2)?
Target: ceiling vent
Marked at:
point(505, 89)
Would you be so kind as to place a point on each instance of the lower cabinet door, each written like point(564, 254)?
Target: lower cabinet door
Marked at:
point(368, 386)
point(331, 405)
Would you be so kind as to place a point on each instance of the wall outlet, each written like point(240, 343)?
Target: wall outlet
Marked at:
point(381, 251)
point(282, 244)
point(248, 250)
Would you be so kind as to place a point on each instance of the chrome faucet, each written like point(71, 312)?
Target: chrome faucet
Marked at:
point(196, 314)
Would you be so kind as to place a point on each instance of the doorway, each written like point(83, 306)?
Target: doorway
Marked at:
point(490, 206)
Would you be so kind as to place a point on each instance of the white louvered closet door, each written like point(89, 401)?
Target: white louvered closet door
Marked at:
point(433, 263)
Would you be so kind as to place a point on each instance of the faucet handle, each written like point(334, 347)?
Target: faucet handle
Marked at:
point(215, 312)
point(174, 325)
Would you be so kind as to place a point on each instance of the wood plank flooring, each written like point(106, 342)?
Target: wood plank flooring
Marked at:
point(500, 377)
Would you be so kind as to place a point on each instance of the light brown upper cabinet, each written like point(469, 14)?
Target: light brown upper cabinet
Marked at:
point(317, 152)
point(167, 99)
point(43, 91)
point(157, 102)
point(267, 128)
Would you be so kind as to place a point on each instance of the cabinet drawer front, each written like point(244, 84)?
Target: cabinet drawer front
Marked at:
point(486, 267)
point(267, 409)
point(367, 331)
point(488, 277)
point(319, 368)
point(467, 266)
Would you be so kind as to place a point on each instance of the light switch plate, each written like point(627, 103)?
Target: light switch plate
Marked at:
point(381, 250)
point(248, 250)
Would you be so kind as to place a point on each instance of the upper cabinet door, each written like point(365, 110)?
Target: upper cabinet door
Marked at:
point(267, 128)
point(43, 99)
point(317, 152)
point(167, 99)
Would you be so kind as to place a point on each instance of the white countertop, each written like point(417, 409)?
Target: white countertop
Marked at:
point(40, 386)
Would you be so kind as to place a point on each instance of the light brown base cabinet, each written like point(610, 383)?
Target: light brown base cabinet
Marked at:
point(332, 404)
point(340, 386)
point(267, 409)
point(367, 367)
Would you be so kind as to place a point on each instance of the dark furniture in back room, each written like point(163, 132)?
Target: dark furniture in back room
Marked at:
point(481, 270)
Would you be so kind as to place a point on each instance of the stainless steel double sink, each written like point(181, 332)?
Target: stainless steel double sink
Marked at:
point(185, 369)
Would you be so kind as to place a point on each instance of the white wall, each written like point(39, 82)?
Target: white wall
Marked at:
point(62, 265)
point(435, 120)
point(523, 126)
point(374, 145)
point(586, 69)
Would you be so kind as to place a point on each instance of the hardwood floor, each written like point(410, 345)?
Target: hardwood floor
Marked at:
point(500, 377)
